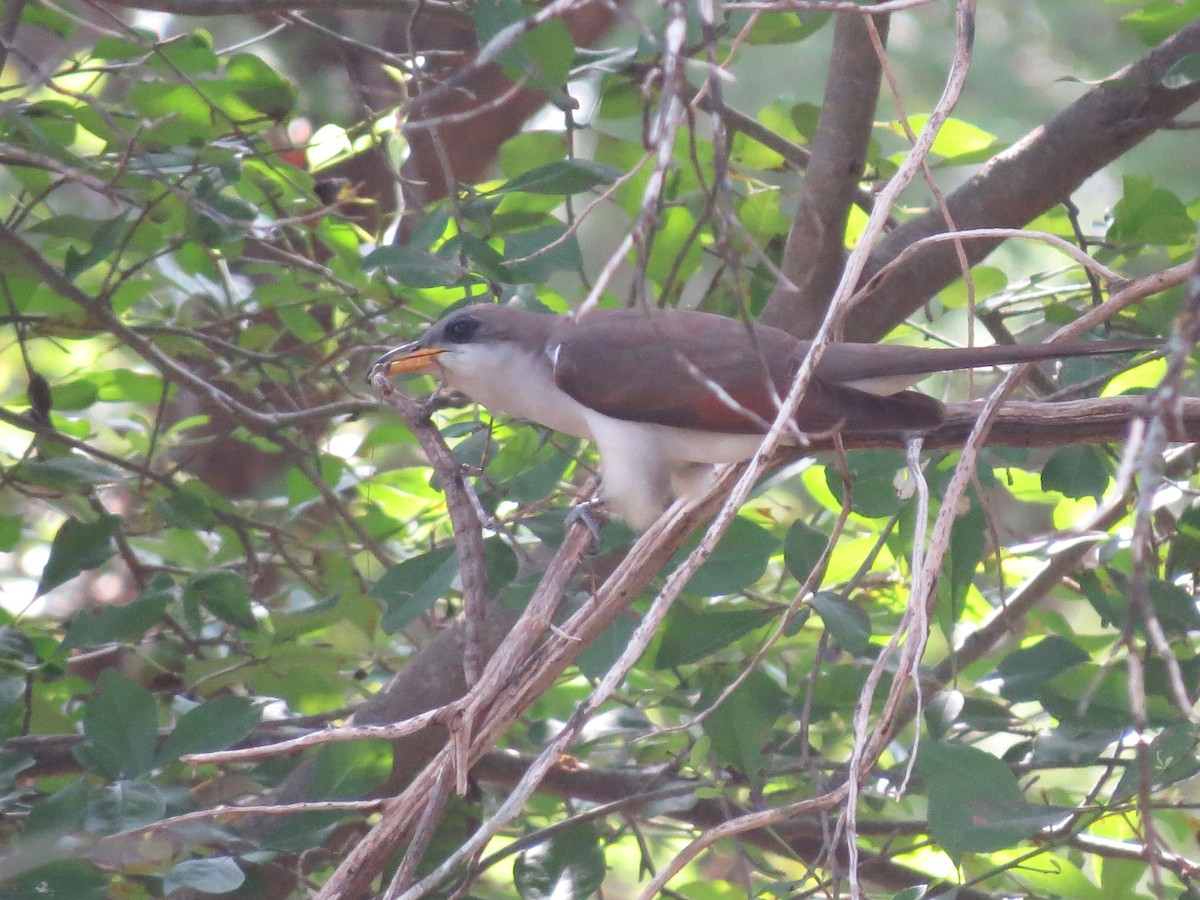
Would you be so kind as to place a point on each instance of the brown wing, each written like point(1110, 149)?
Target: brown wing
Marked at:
point(711, 373)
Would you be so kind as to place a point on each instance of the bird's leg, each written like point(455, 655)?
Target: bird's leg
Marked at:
point(589, 513)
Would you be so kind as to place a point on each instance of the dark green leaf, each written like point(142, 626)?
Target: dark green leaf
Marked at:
point(60, 813)
point(74, 473)
point(346, 770)
point(78, 547)
point(802, 549)
point(214, 725)
point(412, 267)
point(74, 395)
point(848, 622)
point(67, 879)
point(186, 508)
point(1173, 758)
point(1185, 72)
point(13, 764)
point(742, 727)
point(16, 647)
point(690, 636)
point(1068, 745)
point(872, 481)
point(120, 728)
point(968, 543)
point(127, 624)
point(738, 561)
point(224, 594)
point(604, 650)
point(123, 805)
point(569, 866)
point(214, 875)
point(533, 256)
point(1023, 672)
point(975, 803)
point(1076, 472)
point(568, 176)
point(411, 587)
point(1184, 553)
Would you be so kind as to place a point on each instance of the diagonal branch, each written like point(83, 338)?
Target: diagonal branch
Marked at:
point(1034, 175)
point(815, 249)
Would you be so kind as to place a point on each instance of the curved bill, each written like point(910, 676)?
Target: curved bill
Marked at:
point(405, 360)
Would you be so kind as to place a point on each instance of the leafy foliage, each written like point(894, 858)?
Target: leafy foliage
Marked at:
point(214, 535)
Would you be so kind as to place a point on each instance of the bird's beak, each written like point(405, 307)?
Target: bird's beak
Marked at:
point(406, 359)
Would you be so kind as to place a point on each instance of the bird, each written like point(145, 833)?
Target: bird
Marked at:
point(666, 394)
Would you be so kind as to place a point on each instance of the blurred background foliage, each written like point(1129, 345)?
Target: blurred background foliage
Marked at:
point(211, 532)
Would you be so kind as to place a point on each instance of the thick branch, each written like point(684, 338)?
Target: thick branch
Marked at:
point(1037, 173)
point(269, 7)
point(815, 251)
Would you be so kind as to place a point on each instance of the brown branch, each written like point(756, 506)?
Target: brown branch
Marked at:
point(447, 11)
point(1037, 173)
point(815, 250)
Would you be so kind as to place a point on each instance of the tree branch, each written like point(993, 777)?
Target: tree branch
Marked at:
point(815, 250)
point(1037, 173)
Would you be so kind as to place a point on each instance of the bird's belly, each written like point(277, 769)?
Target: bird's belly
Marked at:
point(689, 445)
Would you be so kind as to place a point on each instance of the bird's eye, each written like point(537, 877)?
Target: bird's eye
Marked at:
point(462, 330)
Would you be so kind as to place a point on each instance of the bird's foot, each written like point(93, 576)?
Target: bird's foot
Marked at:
point(590, 513)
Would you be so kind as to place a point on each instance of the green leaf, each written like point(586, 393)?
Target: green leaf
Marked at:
point(1076, 472)
point(601, 653)
point(1024, 672)
point(123, 805)
point(1146, 214)
point(781, 27)
point(968, 543)
point(72, 474)
point(412, 267)
point(61, 813)
point(99, 625)
point(224, 594)
point(569, 866)
point(1173, 758)
point(186, 508)
point(975, 803)
point(738, 561)
point(1184, 553)
point(803, 546)
point(690, 636)
point(67, 879)
point(848, 622)
point(411, 587)
point(78, 547)
point(214, 875)
point(566, 177)
point(872, 482)
point(215, 725)
point(120, 728)
point(742, 727)
point(346, 770)
point(1185, 72)
point(531, 257)
point(551, 49)
point(1155, 21)
point(260, 87)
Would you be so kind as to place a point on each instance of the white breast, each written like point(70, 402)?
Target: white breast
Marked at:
point(507, 380)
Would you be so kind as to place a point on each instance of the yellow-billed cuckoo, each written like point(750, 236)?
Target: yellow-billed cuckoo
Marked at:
point(665, 394)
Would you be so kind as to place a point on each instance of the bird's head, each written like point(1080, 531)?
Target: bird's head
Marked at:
point(465, 341)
